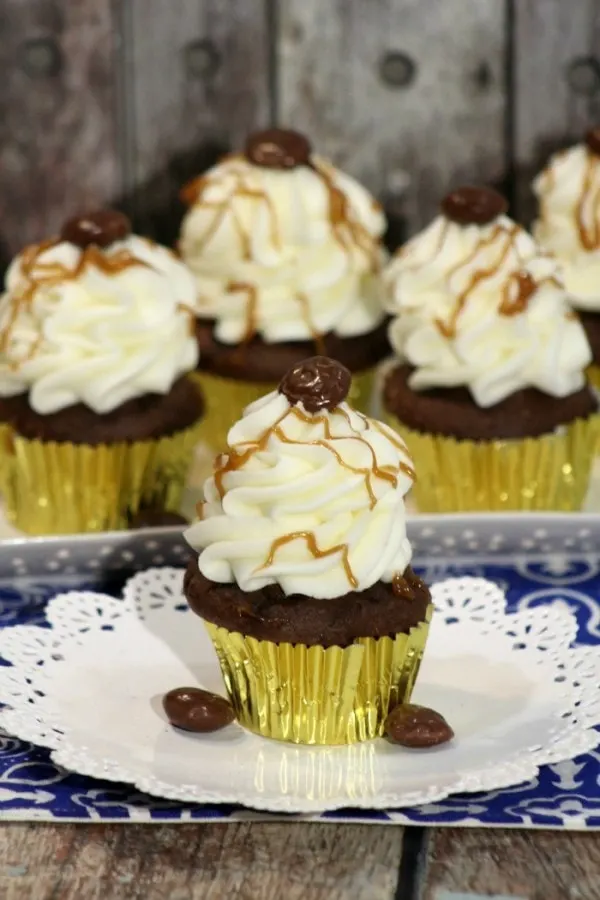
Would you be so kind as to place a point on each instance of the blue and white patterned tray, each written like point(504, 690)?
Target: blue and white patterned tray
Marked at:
point(536, 559)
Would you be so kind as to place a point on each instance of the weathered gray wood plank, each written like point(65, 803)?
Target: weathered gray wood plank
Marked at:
point(58, 149)
point(197, 81)
point(248, 861)
point(444, 126)
point(556, 82)
point(526, 865)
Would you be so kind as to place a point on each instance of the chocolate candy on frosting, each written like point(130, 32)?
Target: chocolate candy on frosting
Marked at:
point(317, 383)
point(101, 228)
point(193, 709)
point(417, 727)
point(473, 205)
point(278, 148)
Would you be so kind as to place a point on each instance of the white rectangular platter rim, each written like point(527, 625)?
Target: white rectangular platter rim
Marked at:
point(462, 536)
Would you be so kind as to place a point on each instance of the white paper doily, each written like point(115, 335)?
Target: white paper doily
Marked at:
point(89, 687)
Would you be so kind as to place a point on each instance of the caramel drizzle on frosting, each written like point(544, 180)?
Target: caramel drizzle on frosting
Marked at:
point(36, 273)
point(406, 249)
point(315, 335)
point(347, 230)
point(251, 292)
point(526, 287)
point(242, 453)
point(314, 549)
point(194, 194)
point(448, 328)
point(394, 439)
point(243, 236)
point(231, 462)
point(386, 473)
point(193, 191)
point(401, 587)
point(589, 236)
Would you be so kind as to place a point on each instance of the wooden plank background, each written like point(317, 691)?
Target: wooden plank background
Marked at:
point(123, 100)
point(58, 126)
point(195, 82)
point(399, 86)
point(293, 861)
point(556, 83)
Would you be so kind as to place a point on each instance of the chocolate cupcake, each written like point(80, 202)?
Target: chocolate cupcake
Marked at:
point(96, 342)
point(286, 251)
point(489, 388)
point(568, 191)
point(303, 577)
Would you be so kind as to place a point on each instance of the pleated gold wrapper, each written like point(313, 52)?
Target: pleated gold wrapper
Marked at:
point(65, 488)
point(314, 695)
point(551, 472)
point(593, 374)
point(226, 399)
point(6, 460)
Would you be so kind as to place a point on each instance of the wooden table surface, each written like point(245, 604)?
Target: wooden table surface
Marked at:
point(293, 861)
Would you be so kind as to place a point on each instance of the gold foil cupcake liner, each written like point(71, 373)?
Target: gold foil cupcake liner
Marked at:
point(226, 399)
point(5, 439)
point(65, 488)
point(317, 695)
point(6, 460)
point(362, 389)
point(551, 472)
point(593, 374)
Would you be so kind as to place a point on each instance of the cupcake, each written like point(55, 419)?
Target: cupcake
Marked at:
point(488, 387)
point(96, 343)
point(286, 252)
point(303, 576)
point(568, 226)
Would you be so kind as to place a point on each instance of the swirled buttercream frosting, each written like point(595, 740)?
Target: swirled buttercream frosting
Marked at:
point(98, 316)
point(283, 245)
point(309, 494)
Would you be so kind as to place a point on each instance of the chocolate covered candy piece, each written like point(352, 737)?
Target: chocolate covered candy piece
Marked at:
point(473, 205)
point(417, 727)
point(278, 148)
point(101, 228)
point(193, 709)
point(317, 383)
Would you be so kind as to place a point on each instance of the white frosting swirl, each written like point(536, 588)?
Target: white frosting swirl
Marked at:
point(293, 482)
point(286, 254)
point(569, 221)
point(98, 327)
point(483, 307)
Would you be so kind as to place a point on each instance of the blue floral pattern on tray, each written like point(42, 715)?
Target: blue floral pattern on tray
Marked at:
point(564, 795)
